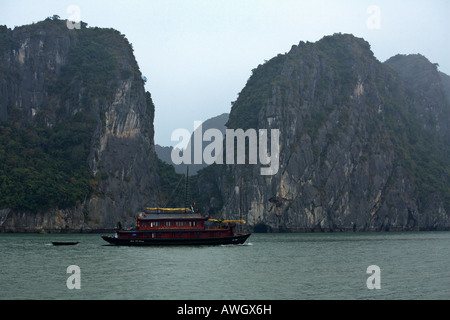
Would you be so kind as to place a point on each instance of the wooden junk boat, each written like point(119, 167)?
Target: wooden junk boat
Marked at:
point(177, 226)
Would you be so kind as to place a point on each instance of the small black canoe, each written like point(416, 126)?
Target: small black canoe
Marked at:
point(56, 243)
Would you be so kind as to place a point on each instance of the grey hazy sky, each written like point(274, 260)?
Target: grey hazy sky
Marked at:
point(198, 54)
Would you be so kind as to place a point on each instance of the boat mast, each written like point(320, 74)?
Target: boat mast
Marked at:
point(187, 189)
point(240, 202)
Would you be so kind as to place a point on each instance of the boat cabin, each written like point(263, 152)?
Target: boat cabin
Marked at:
point(179, 218)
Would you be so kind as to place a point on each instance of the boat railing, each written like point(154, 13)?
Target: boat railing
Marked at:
point(168, 210)
point(216, 228)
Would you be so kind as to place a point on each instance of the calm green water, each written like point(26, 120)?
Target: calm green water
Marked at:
point(268, 266)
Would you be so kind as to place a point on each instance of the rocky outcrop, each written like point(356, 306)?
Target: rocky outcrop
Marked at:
point(42, 82)
point(54, 220)
point(363, 145)
point(351, 144)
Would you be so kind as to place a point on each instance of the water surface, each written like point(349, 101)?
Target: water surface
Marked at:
point(269, 266)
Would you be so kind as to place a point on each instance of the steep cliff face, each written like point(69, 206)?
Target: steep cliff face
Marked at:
point(80, 92)
point(363, 145)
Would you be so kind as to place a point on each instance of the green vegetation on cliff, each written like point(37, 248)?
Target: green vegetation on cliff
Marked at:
point(417, 117)
point(253, 97)
point(91, 64)
point(43, 161)
point(365, 143)
point(41, 168)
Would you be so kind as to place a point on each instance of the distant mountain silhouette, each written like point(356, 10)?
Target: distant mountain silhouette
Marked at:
point(164, 152)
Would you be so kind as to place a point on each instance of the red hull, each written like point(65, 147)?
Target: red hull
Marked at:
point(238, 239)
point(176, 227)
